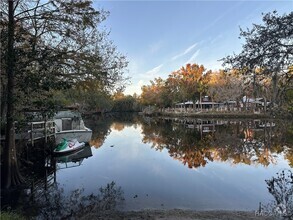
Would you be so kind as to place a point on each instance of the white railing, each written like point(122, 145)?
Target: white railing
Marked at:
point(41, 129)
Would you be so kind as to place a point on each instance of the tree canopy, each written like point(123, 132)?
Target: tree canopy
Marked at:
point(57, 45)
point(263, 69)
point(268, 50)
point(47, 46)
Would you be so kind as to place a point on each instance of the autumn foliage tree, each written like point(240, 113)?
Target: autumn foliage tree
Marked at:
point(181, 85)
point(224, 86)
point(188, 80)
point(156, 94)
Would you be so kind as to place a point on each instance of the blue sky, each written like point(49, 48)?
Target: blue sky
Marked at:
point(158, 37)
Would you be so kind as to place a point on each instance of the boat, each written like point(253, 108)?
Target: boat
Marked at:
point(70, 125)
point(68, 146)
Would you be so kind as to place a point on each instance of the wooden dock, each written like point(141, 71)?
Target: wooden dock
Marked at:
point(34, 131)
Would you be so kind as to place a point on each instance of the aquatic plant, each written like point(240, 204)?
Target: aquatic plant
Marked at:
point(281, 188)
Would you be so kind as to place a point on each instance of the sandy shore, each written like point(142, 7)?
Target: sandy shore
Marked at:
point(176, 214)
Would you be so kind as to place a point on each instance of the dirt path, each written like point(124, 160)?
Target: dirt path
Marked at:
point(177, 214)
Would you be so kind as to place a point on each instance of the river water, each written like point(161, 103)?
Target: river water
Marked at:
point(135, 163)
point(166, 163)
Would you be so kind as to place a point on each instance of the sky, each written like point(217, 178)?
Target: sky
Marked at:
point(160, 36)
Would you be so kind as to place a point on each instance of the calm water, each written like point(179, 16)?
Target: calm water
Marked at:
point(188, 164)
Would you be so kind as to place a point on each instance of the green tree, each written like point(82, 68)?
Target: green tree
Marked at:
point(123, 103)
point(59, 43)
point(10, 172)
point(48, 46)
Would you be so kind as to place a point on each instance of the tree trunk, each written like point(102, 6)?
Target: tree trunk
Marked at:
point(3, 101)
point(10, 175)
point(275, 89)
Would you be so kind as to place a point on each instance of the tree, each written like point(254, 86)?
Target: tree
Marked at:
point(124, 103)
point(11, 175)
point(48, 46)
point(268, 47)
point(156, 94)
point(59, 43)
point(224, 86)
point(189, 81)
point(89, 95)
point(173, 85)
point(215, 86)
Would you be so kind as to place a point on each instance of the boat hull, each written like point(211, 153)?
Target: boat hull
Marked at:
point(80, 135)
point(76, 146)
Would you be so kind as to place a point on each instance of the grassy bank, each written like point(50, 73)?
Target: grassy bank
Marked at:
point(10, 216)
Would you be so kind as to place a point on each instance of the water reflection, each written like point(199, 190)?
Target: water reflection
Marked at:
point(145, 156)
point(102, 126)
point(196, 142)
point(74, 159)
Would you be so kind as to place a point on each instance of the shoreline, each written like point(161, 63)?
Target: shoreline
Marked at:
point(228, 115)
point(216, 115)
point(177, 214)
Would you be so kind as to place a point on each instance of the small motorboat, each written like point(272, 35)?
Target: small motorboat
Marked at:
point(70, 125)
point(68, 146)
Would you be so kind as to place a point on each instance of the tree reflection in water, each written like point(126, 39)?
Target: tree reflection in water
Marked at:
point(54, 203)
point(103, 125)
point(195, 142)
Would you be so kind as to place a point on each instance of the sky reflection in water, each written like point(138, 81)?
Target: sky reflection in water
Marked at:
point(152, 179)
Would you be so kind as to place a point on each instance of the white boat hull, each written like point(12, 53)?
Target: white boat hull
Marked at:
point(69, 146)
point(80, 135)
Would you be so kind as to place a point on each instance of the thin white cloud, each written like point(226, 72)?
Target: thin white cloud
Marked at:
point(148, 75)
point(185, 52)
point(216, 39)
point(154, 70)
point(193, 57)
